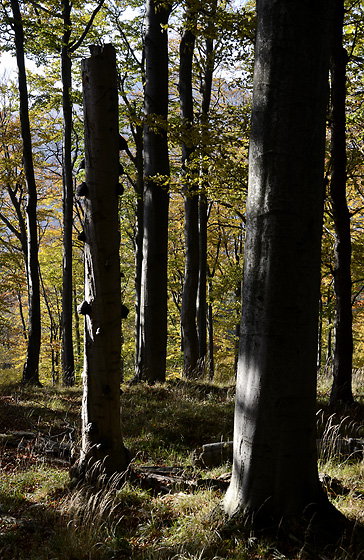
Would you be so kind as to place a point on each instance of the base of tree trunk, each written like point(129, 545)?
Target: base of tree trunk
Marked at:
point(93, 473)
point(320, 528)
point(32, 382)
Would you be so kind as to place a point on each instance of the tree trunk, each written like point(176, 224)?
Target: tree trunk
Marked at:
point(202, 280)
point(275, 464)
point(202, 207)
point(77, 325)
point(341, 391)
point(101, 431)
point(21, 313)
point(67, 304)
point(210, 329)
point(139, 191)
point(31, 367)
point(156, 196)
point(190, 286)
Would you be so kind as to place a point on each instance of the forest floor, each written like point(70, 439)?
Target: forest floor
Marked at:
point(165, 511)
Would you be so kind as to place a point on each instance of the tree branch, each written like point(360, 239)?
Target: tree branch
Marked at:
point(74, 46)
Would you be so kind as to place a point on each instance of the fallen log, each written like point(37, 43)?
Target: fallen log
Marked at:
point(171, 480)
point(215, 454)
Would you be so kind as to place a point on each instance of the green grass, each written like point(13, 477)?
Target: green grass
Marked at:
point(41, 518)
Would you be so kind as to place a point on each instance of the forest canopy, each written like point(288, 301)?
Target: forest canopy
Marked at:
point(207, 153)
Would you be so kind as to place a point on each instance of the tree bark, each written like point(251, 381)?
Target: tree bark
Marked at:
point(139, 191)
point(202, 280)
point(341, 391)
point(156, 196)
point(202, 208)
point(67, 303)
point(276, 382)
point(190, 191)
point(77, 325)
point(31, 367)
point(101, 431)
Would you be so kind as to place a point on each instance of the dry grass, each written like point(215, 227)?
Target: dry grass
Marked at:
point(119, 519)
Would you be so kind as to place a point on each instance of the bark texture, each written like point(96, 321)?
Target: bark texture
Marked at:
point(202, 310)
point(343, 348)
point(276, 381)
point(153, 320)
point(67, 303)
point(190, 191)
point(101, 432)
point(31, 367)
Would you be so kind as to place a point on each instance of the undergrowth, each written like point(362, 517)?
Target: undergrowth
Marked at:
point(41, 518)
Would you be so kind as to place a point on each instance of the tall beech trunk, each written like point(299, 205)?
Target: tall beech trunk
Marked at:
point(153, 327)
point(341, 391)
point(275, 465)
point(139, 191)
point(190, 192)
point(101, 431)
point(202, 208)
point(31, 367)
point(77, 325)
point(67, 303)
point(202, 280)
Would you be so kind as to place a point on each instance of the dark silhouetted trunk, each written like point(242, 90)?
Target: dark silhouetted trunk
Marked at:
point(77, 325)
point(202, 280)
point(202, 207)
point(67, 303)
point(156, 197)
point(190, 192)
point(31, 367)
point(341, 391)
point(139, 191)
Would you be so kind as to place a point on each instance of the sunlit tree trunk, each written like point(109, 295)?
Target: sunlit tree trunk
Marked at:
point(153, 325)
point(343, 349)
point(101, 431)
point(31, 367)
point(275, 465)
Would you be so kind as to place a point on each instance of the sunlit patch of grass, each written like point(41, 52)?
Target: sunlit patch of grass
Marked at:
point(176, 417)
point(358, 384)
point(343, 474)
point(118, 519)
point(192, 525)
point(36, 484)
point(324, 383)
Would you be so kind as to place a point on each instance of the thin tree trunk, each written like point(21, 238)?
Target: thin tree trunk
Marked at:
point(190, 286)
point(202, 207)
point(275, 465)
point(77, 325)
point(328, 358)
point(156, 196)
point(21, 313)
point(210, 329)
point(52, 332)
point(67, 304)
point(31, 367)
point(210, 318)
point(202, 280)
point(139, 191)
point(319, 337)
point(101, 431)
point(341, 391)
